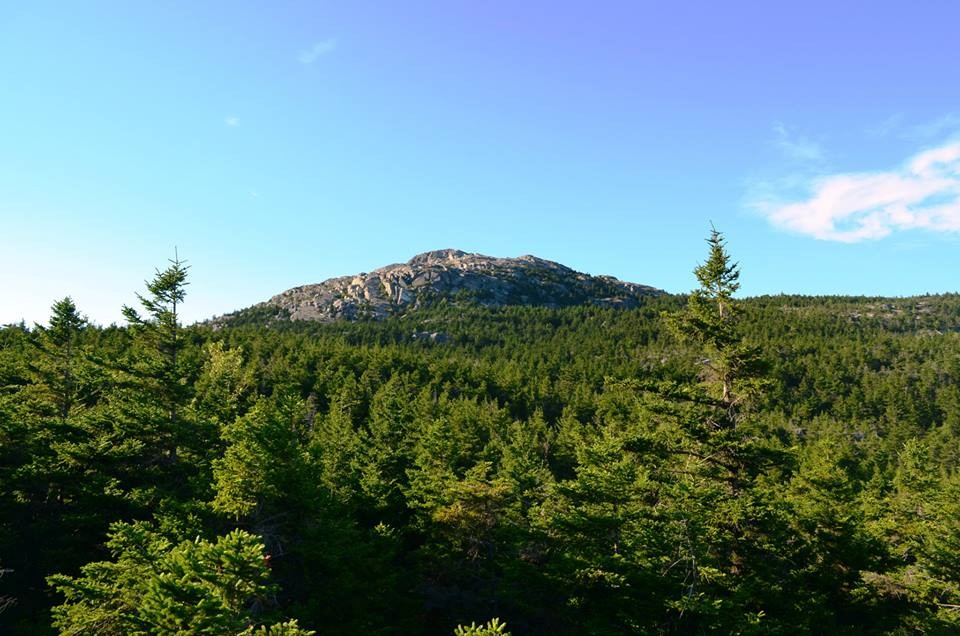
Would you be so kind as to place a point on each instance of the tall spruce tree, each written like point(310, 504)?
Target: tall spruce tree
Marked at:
point(161, 332)
point(677, 520)
point(730, 368)
point(141, 443)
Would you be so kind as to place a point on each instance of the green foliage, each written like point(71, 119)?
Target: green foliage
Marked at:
point(161, 334)
point(731, 368)
point(148, 414)
point(491, 628)
point(223, 388)
point(60, 366)
point(207, 588)
point(106, 596)
point(154, 587)
point(264, 465)
point(578, 470)
point(289, 628)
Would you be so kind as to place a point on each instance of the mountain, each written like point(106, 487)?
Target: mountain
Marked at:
point(447, 274)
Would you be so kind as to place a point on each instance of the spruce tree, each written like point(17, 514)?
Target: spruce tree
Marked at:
point(161, 333)
point(60, 354)
point(156, 586)
point(731, 368)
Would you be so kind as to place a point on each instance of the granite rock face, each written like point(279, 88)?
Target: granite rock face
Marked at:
point(455, 275)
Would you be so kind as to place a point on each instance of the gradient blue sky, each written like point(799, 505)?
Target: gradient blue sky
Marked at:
point(282, 143)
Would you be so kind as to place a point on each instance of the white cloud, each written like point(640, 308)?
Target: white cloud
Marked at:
point(318, 50)
point(233, 121)
point(795, 147)
point(922, 194)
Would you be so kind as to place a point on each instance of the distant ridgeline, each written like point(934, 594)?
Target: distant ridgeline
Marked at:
point(445, 274)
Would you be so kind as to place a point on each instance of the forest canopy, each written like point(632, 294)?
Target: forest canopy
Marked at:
point(697, 464)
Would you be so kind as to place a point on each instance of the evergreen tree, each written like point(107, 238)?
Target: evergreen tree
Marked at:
point(731, 368)
point(223, 389)
point(45, 494)
point(265, 471)
point(59, 344)
point(160, 364)
point(331, 570)
point(155, 586)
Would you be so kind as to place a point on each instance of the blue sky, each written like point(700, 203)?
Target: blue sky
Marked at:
point(282, 143)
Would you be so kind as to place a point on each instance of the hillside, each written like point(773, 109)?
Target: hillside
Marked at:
point(446, 274)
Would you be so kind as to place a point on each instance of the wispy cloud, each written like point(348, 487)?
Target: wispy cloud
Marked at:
point(232, 120)
point(923, 193)
point(896, 125)
point(319, 49)
point(888, 126)
point(938, 128)
point(794, 146)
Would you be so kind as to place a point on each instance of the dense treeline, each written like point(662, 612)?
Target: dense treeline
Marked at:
point(776, 465)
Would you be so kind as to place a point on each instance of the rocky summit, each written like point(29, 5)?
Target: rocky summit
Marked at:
point(453, 275)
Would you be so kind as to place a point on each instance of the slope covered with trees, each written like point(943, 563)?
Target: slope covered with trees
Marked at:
point(692, 465)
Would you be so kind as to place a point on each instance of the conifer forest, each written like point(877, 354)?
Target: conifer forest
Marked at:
point(700, 464)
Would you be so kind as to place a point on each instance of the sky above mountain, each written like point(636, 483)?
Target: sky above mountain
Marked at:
point(282, 143)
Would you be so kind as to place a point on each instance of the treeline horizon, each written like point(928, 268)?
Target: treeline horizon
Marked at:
point(260, 314)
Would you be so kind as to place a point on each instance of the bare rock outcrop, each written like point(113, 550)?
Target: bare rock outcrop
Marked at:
point(455, 275)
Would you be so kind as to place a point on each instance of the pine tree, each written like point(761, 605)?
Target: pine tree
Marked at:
point(731, 369)
point(265, 473)
point(43, 496)
point(155, 586)
point(139, 443)
point(674, 521)
point(223, 388)
point(160, 333)
point(60, 354)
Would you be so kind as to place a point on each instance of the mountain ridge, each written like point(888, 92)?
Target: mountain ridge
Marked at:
point(452, 274)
